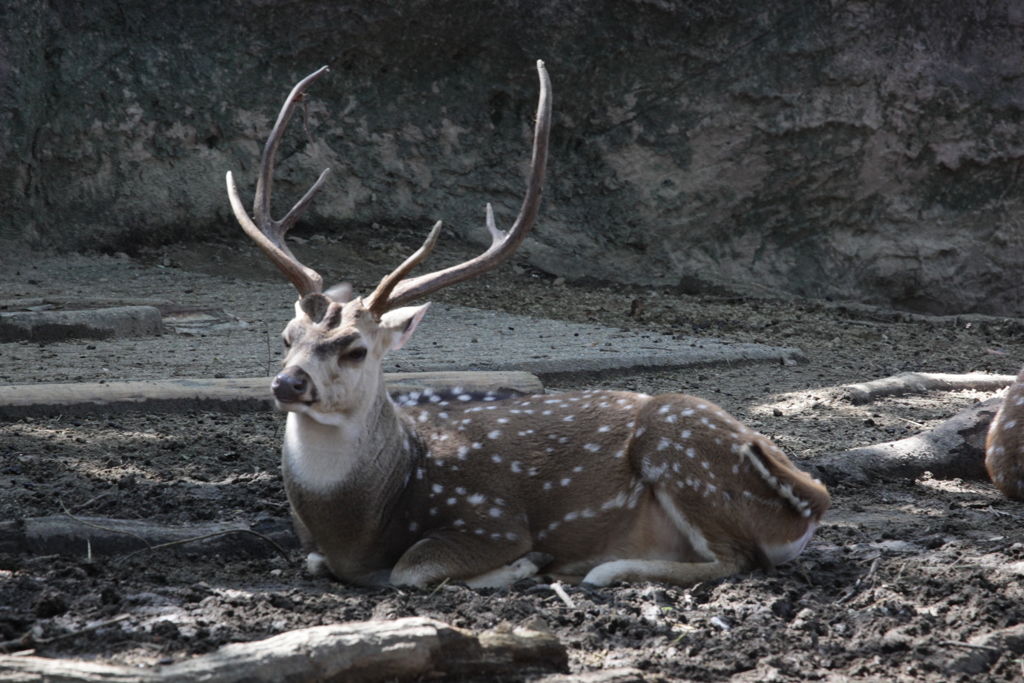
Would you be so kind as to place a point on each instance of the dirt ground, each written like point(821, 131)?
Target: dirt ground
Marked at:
point(897, 581)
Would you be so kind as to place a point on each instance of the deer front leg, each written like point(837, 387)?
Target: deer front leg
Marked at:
point(526, 566)
point(481, 562)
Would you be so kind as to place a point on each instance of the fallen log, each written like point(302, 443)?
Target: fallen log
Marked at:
point(360, 652)
point(955, 448)
point(225, 395)
point(980, 653)
point(105, 537)
point(922, 382)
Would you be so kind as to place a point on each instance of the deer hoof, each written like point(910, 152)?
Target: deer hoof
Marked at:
point(539, 560)
point(316, 564)
point(603, 575)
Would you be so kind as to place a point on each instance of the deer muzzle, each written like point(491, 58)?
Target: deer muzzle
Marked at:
point(294, 385)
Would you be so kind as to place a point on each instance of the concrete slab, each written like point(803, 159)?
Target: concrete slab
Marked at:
point(222, 395)
point(451, 342)
point(100, 323)
point(452, 337)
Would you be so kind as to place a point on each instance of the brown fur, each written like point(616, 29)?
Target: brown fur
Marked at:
point(455, 488)
point(1004, 447)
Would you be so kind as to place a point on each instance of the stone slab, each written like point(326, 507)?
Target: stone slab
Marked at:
point(100, 323)
point(224, 395)
point(459, 338)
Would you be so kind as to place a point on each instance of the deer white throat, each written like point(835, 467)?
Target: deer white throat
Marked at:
point(321, 456)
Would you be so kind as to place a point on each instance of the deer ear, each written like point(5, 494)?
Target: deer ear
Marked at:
point(401, 322)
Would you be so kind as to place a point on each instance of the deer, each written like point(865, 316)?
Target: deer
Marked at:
point(1004, 445)
point(593, 486)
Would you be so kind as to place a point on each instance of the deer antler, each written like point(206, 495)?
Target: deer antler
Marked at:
point(393, 291)
point(265, 231)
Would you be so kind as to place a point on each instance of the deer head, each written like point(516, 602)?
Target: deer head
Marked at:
point(353, 335)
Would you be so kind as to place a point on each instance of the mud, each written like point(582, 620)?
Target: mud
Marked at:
point(899, 580)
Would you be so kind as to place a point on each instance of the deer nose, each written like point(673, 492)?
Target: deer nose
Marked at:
point(293, 385)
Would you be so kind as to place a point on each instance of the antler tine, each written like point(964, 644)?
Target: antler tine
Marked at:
point(378, 300)
point(265, 231)
point(502, 245)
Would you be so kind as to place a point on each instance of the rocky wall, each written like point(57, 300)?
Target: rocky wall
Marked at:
point(854, 150)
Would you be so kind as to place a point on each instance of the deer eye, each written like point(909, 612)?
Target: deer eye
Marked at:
point(355, 354)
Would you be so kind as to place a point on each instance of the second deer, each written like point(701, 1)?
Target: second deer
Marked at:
point(598, 486)
point(1004, 446)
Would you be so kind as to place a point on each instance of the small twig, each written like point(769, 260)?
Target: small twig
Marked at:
point(874, 566)
point(438, 587)
point(956, 562)
point(87, 629)
point(103, 528)
point(971, 646)
point(556, 586)
point(916, 424)
point(803, 572)
point(91, 501)
point(1000, 513)
point(18, 644)
point(855, 588)
point(28, 641)
point(686, 630)
point(257, 534)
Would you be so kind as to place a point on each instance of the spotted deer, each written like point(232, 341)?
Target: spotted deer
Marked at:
point(600, 485)
point(1004, 447)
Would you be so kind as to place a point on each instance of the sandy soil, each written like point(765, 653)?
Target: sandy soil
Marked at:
point(901, 576)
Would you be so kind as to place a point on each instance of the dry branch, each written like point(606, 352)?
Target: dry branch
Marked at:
point(101, 536)
point(922, 382)
point(955, 448)
point(29, 641)
point(981, 652)
point(361, 652)
point(623, 675)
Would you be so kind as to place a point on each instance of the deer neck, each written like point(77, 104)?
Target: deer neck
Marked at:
point(323, 456)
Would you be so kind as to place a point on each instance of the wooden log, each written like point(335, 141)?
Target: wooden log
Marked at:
point(922, 382)
point(104, 537)
point(622, 675)
point(955, 448)
point(980, 653)
point(223, 395)
point(360, 652)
